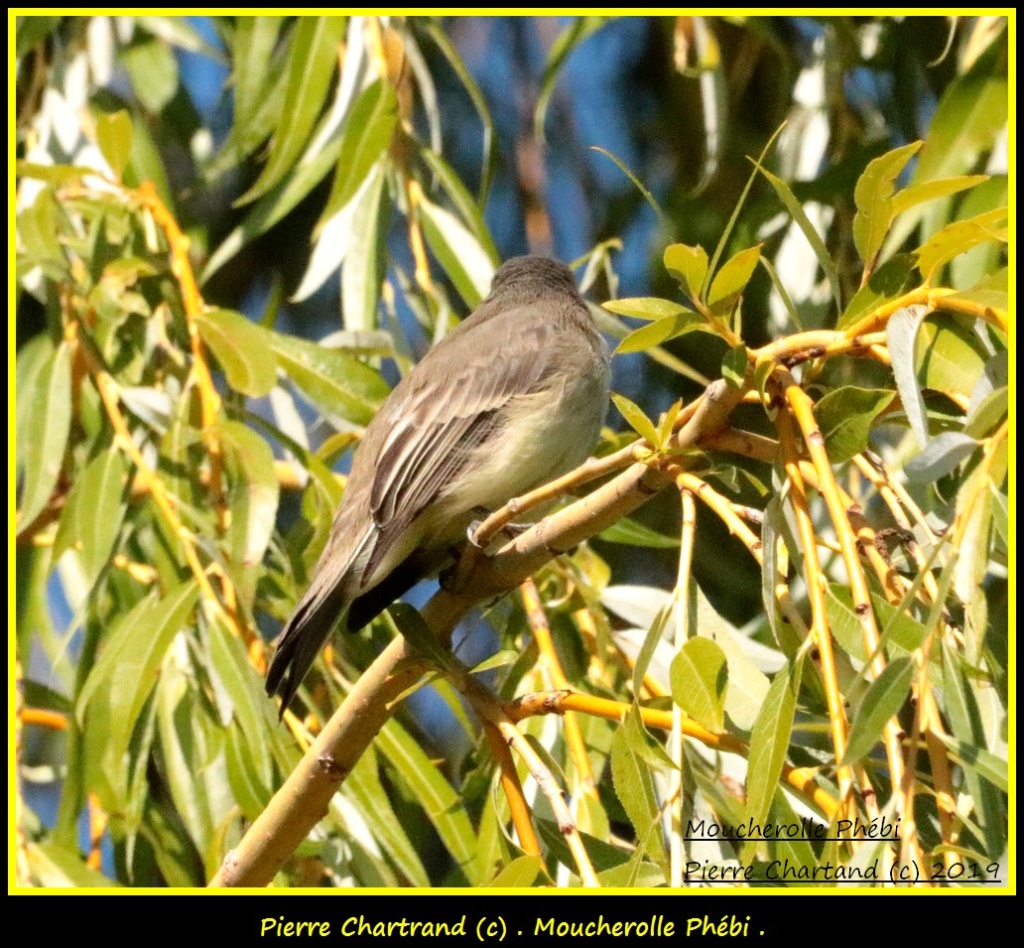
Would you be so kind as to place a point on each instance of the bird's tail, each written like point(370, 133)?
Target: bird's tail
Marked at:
point(300, 642)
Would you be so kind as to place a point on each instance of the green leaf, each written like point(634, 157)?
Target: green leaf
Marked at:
point(735, 365)
point(521, 873)
point(443, 806)
point(363, 270)
point(366, 136)
point(417, 633)
point(129, 664)
point(46, 395)
point(959, 237)
point(437, 34)
point(961, 707)
point(92, 516)
point(647, 307)
point(634, 785)
point(799, 215)
point(883, 699)
point(32, 30)
point(942, 454)
point(949, 356)
point(153, 69)
point(699, 674)
point(370, 797)
point(769, 742)
point(336, 382)
point(459, 252)
point(53, 866)
point(845, 417)
point(986, 764)
point(637, 183)
point(689, 265)
point(873, 196)
point(654, 334)
point(252, 500)
point(241, 349)
point(731, 280)
point(901, 337)
point(572, 36)
point(889, 281)
point(252, 53)
point(114, 136)
point(465, 205)
point(312, 62)
point(632, 533)
point(636, 419)
point(970, 116)
point(930, 190)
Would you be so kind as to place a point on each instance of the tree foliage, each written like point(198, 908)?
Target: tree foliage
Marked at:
point(826, 317)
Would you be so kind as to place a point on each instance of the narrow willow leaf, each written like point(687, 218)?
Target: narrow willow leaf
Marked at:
point(521, 873)
point(634, 785)
point(688, 264)
point(661, 331)
point(891, 280)
point(636, 419)
point(990, 412)
point(275, 204)
point(114, 136)
point(252, 500)
point(731, 280)
point(991, 291)
point(901, 337)
point(959, 237)
point(443, 806)
point(418, 634)
point(942, 454)
point(930, 190)
point(367, 133)
point(251, 710)
point(336, 382)
point(127, 667)
point(970, 116)
point(469, 211)
point(240, 346)
point(52, 866)
point(949, 356)
point(251, 795)
point(363, 270)
point(699, 675)
point(845, 417)
point(769, 742)
point(734, 366)
point(153, 70)
point(647, 307)
point(572, 36)
point(986, 764)
point(873, 196)
point(252, 53)
point(92, 516)
point(961, 706)
point(882, 700)
point(367, 792)
point(632, 533)
point(47, 424)
point(483, 112)
point(637, 183)
point(461, 255)
point(799, 215)
point(312, 62)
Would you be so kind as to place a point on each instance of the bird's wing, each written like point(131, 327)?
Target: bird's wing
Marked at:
point(442, 421)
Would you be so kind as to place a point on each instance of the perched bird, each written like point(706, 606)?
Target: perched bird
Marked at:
point(510, 399)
